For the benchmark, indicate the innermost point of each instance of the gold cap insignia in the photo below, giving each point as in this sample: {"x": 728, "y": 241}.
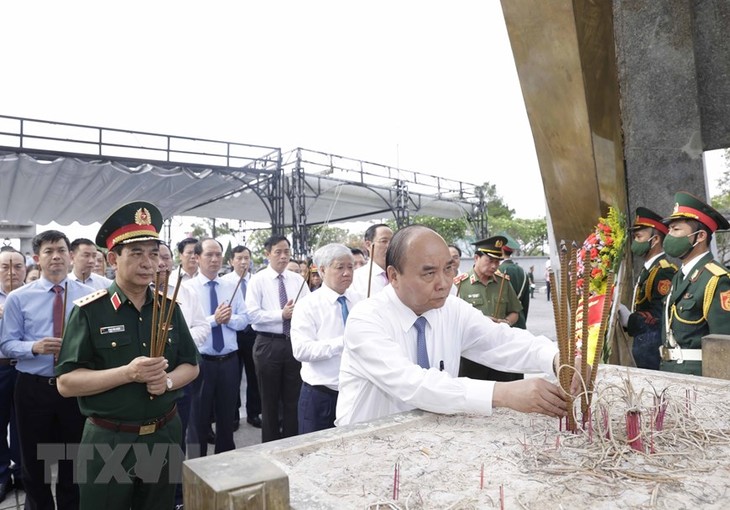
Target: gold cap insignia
{"x": 142, "y": 217}
{"x": 676, "y": 208}
{"x": 498, "y": 243}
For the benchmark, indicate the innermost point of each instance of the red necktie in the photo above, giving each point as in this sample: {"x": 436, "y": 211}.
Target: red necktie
{"x": 58, "y": 311}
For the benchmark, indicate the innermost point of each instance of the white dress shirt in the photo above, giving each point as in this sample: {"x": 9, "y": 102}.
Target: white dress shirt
{"x": 317, "y": 333}
{"x": 379, "y": 375}
{"x": 379, "y": 280}
{"x": 239, "y": 318}
{"x": 94, "y": 281}
{"x": 262, "y": 298}
{"x": 234, "y": 277}
{"x": 192, "y": 311}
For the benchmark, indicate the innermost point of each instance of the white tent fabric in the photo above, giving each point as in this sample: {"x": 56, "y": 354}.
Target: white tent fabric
{"x": 68, "y": 189}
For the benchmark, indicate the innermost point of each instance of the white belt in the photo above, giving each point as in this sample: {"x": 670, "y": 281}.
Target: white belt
{"x": 679, "y": 355}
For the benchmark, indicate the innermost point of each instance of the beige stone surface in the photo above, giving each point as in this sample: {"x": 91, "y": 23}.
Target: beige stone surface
{"x": 536, "y": 464}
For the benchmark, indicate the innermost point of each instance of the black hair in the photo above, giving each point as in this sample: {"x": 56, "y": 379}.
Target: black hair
{"x": 371, "y": 231}
{"x": 182, "y": 244}
{"x": 698, "y": 225}
{"x": 78, "y": 242}
{"x": 49, "y": 236}
{"x": 12, "y": 250}
{"x": 458, "y": 250}
{"x": 240, "y": 249}
{"x": 357, "y": 251}
{"x": 275, "y": 239}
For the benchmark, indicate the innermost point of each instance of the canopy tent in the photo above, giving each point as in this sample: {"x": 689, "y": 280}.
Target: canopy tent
{"x": 59, "y": 172}
{"x": 68, "y": 189}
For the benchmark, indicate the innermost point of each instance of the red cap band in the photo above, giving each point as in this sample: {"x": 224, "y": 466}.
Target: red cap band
{"x": 128, "y": 232}
{"x": 648, "y": 222}
{"x": 683, "y": 210}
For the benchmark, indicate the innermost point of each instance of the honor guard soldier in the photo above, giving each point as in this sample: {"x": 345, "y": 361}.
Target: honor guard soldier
{"x": 127, "y": 392}
{"x": 518, "y": 279}
{"x": 644, "y": 321}
{"x": 699, "y": 300}
{"x": 489, "y": 290}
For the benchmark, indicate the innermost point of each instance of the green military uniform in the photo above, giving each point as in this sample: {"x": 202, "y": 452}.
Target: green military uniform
{"x": 487, "y": 297}
{"x": 518, "y": 280}
{"x": 699, "y": 302}
{"x": 645, "y": 321}
{"x": 105, "y": 330}
{"x": 698, "y": 305}
{"x": 495, "y": 299}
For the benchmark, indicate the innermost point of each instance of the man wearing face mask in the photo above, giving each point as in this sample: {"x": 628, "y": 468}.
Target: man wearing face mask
{"x": 644, "y": 321}
{"x": 699, "y": 301}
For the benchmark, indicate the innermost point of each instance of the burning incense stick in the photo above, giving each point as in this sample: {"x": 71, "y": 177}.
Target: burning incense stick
{"x": 370, "y": 271}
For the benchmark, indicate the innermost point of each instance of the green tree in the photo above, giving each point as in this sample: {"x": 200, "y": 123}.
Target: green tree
{"x": 496, "y": 206}
{"x": 205, "y": 229}
{"x": 451, "y": 229}
{"x": 320, "y": 235}
{"x": 530, "y": 233}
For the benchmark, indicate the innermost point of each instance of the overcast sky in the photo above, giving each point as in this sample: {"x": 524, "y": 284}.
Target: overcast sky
{"x": 429, "y": 86}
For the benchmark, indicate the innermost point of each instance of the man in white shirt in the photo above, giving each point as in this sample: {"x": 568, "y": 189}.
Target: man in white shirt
{"x": 402, "y": 347}
{"x": 188, "y": 260}
{"x": 318, "y": 326}
{"x": 272, "y": 294}
{"x": 218, "y": 388}
{"x": 83, "y": 260}
{"x": 192, "y": 311}
{"x": 372, "y": 278}
{"x": 241, "y": 263}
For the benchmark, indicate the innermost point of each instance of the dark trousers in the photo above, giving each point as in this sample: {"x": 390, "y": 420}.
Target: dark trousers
{"x": 137, "y": 483}
{"x": 317, "y": 406}
{"x": 8, "y": 453}
{"x": 46, "y": 418}
{"x": 246, "y": 339}
{"x": 279, "y": 384}
{"x": 218, "y": 390}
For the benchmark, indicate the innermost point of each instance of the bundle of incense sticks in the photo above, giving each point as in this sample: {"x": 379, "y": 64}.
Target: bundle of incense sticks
{"x": 567, "y": 300}
{"x": 563, "y": 298}
{"x": 162, "y": 312}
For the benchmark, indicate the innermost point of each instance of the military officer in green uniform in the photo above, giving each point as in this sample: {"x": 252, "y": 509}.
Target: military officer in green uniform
{"x": 487, "y": 289}
{"x": 699, "y": 300}
{"x": 644, "y": 321}
{"x": 518, "y": 279}
{"x": 129, "y": 455}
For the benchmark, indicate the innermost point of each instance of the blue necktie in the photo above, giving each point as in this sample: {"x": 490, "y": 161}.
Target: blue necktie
{"x": 421, "y": 351}
{"x": 217, "y": 330}
{"x": 343, "y": 303}
{"x": 243, "y": 288}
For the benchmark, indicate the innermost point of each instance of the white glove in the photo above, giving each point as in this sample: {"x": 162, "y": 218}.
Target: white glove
{"x": 623, "y": 315}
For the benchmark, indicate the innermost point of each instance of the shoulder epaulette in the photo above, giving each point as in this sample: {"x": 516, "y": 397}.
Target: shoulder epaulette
{"x": 501, "y": 274}
{"x": 90, "y": 297}
{"x": 460, "y": 278}
{"x": 716, "y": 268}
{"x": 665, "y": 264}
